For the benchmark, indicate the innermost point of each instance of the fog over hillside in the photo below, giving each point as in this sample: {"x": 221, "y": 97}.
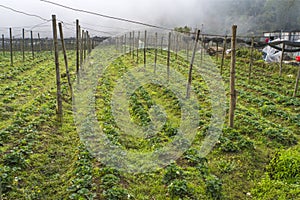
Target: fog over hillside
{"x": 212, "y": 16}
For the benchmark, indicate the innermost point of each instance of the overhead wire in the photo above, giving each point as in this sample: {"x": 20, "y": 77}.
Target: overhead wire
{"x": 107, "y": 16}
{"x": 24, "y": 13}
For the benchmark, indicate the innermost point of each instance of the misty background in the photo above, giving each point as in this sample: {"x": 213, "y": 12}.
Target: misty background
{"x": 212, "y": 16}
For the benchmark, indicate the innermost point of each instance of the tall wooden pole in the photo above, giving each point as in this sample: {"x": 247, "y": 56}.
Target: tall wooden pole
{"x": 23, "y": 44}
{"x": 251, "y": 59}
{"x": 65, "y": 56}
{"x": 11, "y": 47}
{"x": 169, "y": 54}
{"x": 223, "y": 53}
{"x": 3, "y": 45}
{"x": 161, "y": 45}
{"x": 281, "y": 59}
{"x": 188, "y": 88}
{"x": 145, "y": 46}
{"x": 81, "y": 46}
{"x": 32, "y": 45}
{"x": 130, "y": 41}
{"x": 137, "y": 50}
{"x": 133, "y": 45}
{"x": 187, "y": 49}
{"x": 58, "y": 91}
{"x": 125, "y": 38}
{"x": 297, "y": 83}
{"x": 232, "y": 78}
{"x": 40, "y": 42}
{"x": 155, "y": 56}
{"x": 88, "y": 39}
{"x": 176, "y": 46}
{"x": 77, "y": 46}
{"x": 217, "y": 55}
{"x": 84, "y": 44}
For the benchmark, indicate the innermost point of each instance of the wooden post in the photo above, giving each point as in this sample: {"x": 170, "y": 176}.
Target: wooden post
{"x": 137, "y": 50}
{"x": 65, "y": 56}
{"x": 155, "y": 56}
{"x": 202, "y": 48}
{"x": 77, "y": 46}
{"x": 187, "y": 49}
{"x": 84, "y": 44}
{"x": 232, "y": 78}
{"x": 23, "y": 44}
{"x": 3, "y": 44}
{"x": 130, "y": 41}
{"x": 15, "y": 47}
{"x": 11, "y": 47}
{"x": 281, "y": 59}
{"x": 133, "y": 44}
{"x": 168, "y": 58}
{"x": 297, "y": 83}
{"x": 58, "y": 92}
{"x": 176, "y": 46}
{"x": 188, "y": 88}
{"x": 125, "y": 44}
{"x": 161, "y": 44}
{"x": 223, "y": 53}
{"x": 145, "y": 46}
{"x": 88, "y": 42}
{"x": 251, "y": 59}
{"x": 47, "y": 44}
{"x": 217, "y": 55}
{"x": 32, "y": 47}
{"x": 40, "y": 43}
{"x": 81, "y": 46}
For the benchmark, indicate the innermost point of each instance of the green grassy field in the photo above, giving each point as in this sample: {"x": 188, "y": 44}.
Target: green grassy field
{"x": 41, "y": 159}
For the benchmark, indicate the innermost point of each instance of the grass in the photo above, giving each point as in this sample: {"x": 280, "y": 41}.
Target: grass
{"x": 41, "y": 159}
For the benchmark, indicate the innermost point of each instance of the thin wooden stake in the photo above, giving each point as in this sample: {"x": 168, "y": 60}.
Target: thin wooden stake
{"x": 32, "y": 47}
{"x": 40, "y": 43}
{"x": 188, "y": 88}
{"x": 202, "y": 49}
{"x": 65, "y": 57}
{"x": 168, "y": 58}
{"x": 155, "y": 56}
{"x": 161, "y": 45}
{"x": 232, "y": 78}
{"x": 187, "y": 49}
{"x": 3, "y": 45}
{"x": 223, "y": 53}
{"x": 130, "y": 42}
{"x": 133, "y": 45}
{"x": 77, "y": 47}
{"x": 145, "y": 46}
{"x": 125, "y": 49}
{"x": 297, "y": 83}
{"x": 88, "y": 39}
{"x": 176, "y": 47}
{"x": 23, "y": 44}
{"x": 251, "y": 59}
{"x": 81, "y": 47}
{"x": 58, "y": 92}
{"x": 11, "y": 47}
{"x": 281, "y": 59}
{"x": 217, "y": 55}
{"x": 137, "y": 50}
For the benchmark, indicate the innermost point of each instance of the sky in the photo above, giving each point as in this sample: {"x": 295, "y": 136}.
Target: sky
{"x": 167, "y": 13}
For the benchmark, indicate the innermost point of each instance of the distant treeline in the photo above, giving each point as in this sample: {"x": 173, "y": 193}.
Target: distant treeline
{"x": 253, "y": 16}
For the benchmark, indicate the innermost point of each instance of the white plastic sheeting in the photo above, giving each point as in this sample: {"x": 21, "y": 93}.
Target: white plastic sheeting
{"x": 270, "y": 54}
